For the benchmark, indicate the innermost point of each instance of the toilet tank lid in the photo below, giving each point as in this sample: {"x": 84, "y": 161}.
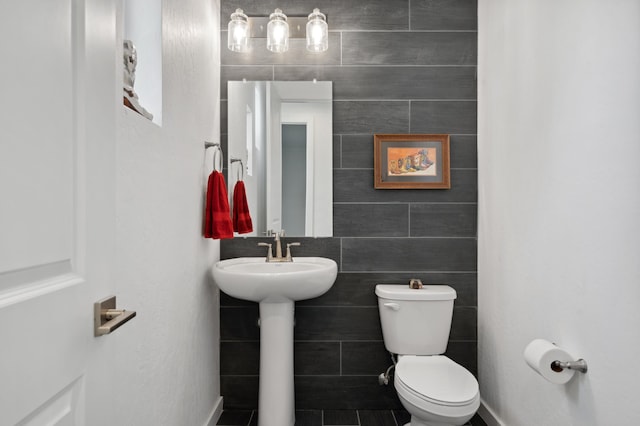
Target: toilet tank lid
{"x": 403, "y": 292}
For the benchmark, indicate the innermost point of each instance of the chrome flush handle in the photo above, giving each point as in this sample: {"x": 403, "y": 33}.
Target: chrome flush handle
{"x": 392, "y": 306}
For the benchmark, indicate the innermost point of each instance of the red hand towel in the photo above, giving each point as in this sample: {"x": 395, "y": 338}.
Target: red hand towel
{"x": 217, "y": 222}
{"x": 241, "y": 217}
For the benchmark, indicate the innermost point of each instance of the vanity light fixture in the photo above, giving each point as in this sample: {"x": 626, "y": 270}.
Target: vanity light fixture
{"x": 277, "y": 28}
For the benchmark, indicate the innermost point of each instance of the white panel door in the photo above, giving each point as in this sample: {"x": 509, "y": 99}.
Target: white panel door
{"x": 57, "y": 127}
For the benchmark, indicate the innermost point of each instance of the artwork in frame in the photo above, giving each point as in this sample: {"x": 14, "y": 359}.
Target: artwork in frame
{"x": 416, "y": 161}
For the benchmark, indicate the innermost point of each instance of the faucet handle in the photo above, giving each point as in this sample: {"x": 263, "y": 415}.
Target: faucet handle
{"x": 289, "y": 245}
{"x": 269, "y": 252}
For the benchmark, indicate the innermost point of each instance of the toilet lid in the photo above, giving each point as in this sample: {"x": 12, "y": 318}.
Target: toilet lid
{"x": 437, "y": 378}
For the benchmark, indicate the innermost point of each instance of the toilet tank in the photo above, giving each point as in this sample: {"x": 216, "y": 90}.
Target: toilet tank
{"x": 415, "y": 321}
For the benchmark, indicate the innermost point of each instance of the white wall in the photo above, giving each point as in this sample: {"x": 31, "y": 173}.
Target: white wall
{"x": 559, "y": 206}
{"x": 168, "y": 358}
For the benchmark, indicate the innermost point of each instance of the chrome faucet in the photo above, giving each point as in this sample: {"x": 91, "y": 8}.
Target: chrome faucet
{"x": 278, "y": 244}
{"x": 278, "y": 240}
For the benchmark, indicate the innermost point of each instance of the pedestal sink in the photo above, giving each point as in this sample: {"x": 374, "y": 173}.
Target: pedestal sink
{"x": 275, "y": 286}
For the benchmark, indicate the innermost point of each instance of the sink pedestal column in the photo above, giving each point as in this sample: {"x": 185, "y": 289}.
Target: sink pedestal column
{"x": 276, "y": 393}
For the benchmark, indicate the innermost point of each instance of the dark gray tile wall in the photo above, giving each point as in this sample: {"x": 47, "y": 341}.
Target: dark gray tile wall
{"x": 397, "y": 66}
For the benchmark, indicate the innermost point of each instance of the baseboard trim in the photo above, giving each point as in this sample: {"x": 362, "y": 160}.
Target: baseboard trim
{"x": 216, "y": 412}
{"x": 488, "y": 415}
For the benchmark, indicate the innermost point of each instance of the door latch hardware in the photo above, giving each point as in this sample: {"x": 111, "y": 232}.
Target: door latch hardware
{"x": 107, "y": 318}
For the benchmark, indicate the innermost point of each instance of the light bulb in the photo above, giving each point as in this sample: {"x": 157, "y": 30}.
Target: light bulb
{"x": 317, "y": 32}
{"x": 238, "y": 32}
{"x": 278, "y": 32}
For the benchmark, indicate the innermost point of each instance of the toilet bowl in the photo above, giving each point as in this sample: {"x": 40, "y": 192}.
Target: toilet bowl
{"x": 435, "y": 390}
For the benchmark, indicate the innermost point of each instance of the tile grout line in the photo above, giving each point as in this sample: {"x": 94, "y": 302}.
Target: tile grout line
{"x": 341, "y": 145}
{"x": 409, "y": 220}
{"x": 341, "y": 358}
{"x": 341, "y": 49}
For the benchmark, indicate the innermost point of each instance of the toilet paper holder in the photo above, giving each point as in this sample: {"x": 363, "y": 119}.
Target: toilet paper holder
{"x": 579, "y": 365}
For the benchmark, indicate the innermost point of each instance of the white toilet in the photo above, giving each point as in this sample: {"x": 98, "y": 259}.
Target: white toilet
{"x": 435, "y": 390}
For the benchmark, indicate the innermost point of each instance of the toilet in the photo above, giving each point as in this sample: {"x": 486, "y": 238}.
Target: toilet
{"x": 435, "y": 390}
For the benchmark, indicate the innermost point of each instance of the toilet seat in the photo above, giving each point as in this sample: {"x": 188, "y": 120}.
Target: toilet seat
{"x": 437, "y": 380}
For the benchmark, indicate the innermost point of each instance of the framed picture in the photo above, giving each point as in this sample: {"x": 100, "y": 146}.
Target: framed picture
{"x": 411, "y": 161}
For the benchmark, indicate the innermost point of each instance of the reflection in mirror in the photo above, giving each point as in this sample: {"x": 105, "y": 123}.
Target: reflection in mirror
{"x": 283, "y": 133}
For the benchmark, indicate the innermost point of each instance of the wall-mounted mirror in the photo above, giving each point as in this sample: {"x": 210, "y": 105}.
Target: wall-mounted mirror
{"x": 283, "y": 133}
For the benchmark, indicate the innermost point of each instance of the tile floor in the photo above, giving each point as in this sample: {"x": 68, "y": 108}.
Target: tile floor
{"x": 332, "y": 418}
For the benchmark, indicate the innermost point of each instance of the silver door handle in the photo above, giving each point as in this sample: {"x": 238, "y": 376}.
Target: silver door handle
{"x": 107, "y": 318}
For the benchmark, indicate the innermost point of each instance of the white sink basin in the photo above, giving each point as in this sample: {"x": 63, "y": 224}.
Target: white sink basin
{"x": 276, "y": 286}
{"x": 251, "y": 278}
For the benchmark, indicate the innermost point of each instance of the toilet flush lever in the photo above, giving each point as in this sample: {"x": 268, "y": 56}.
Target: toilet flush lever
{"x": 393, "y": 306}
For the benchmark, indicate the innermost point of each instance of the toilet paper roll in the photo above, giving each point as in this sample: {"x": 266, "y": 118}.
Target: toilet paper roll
{"x": 540, "y": 354}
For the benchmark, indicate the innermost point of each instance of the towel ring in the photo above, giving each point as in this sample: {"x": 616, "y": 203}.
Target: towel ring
{"x": 217, "y": 149}
{"x": 240, "y": 172}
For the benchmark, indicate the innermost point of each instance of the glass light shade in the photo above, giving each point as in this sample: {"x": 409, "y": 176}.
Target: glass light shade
{"x": 278, "y": 32}
{"x": 317, "y": 32}
{"x": 238, "y": 32}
